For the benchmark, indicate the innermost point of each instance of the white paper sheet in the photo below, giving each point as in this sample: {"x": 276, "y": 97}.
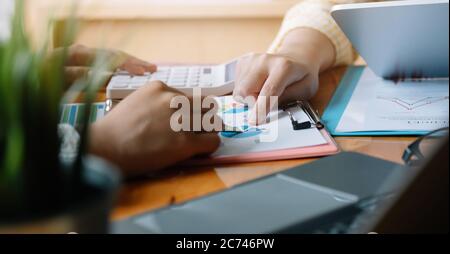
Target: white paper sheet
{"x": 252, "y": 140}
{"x": 381, "y": 105}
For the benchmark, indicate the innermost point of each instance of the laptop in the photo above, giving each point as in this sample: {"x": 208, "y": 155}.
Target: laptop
{"x": 345, "y": 193}
{"x": 308, "y": 199}
{"x": 399, "y": 39}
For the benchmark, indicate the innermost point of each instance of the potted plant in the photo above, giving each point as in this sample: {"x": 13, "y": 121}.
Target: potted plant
{"x": 39, "y": 191}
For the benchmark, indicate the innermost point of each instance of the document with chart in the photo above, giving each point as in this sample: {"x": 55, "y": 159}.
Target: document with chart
{"x": 274, "y": 135}
{"x": 382, "y": 105}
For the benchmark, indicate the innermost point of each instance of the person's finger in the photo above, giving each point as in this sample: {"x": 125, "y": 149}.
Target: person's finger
{"x": 72, "y": 74}
{"x": 133, "y": 69}
{"x": 137, "y": 66}
{"x": 84, "y": 56}
{"x": 249, "y": 84}
{"x": 204, "y": 143}
{"x": 272, "y": 89}
{"x": 302, "y": 90}
{"x": 243, "y": 65}
{"x": 79, "y": 55}
{"x": 150, "y": 67}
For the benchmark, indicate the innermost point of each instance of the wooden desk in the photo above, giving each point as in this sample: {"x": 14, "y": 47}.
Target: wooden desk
{"x": 180, "y": 184}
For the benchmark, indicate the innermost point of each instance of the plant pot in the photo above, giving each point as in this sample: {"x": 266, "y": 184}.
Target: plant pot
{"x": 88, "y": 215}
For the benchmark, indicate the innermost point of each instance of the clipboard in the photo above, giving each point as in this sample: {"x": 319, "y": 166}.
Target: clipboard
{"x": 70, "y": 111}
{"x": 336, "y": 107}
{"x": 328, "y": 148}
{"x": 305, "y": 152}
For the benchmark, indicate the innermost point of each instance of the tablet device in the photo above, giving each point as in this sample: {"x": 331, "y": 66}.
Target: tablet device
{"x": 399, "y": 39}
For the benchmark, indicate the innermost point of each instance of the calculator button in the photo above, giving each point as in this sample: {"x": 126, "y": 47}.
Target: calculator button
{"x": 207, "y": 70}
{"x": 161, "y": 74}
{"x": 120, "y": 78}
{"x": 119, "y": 85}
{"x": 194, "y": 75}
{"x": 178, "y": 84}
{"x": 160, "y": 78}
{"x": 183, "y": 70}
{"x": 205, "y": 81}
{"x": 178, "y": 76}
{"x": 177, "y": 68}
{"x": 194, "y": 70}
{"x": 163, "y": 69}
{"x": 164, "y": 79}
{"x": 121, "y": 72}
{"x": 138, "y": 79}
{"x": 137, "y": 85}
{"x": 193, "y": 84}
{"x": 206, "y": 84}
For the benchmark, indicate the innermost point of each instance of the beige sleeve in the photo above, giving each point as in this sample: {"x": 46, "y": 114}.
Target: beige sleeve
{"x": 316, "y": 14}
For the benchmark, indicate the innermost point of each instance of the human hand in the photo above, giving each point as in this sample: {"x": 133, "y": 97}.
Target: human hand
{"x": 137, "y": 136}
{"x": 264, "y": 75}
{"x": 80, "y": 60}
{"x": 291, "y": 74}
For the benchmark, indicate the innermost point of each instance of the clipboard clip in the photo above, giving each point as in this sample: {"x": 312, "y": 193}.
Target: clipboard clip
{"x": 314, "y": 121}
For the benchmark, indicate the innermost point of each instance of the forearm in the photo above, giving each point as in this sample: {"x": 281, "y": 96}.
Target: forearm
{"x": 308, "y": 46}
{"x": 315, "y": 14}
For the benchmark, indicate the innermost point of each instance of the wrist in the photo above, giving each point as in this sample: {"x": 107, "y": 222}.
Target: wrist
{"x": 310, "y": 47}
{"x": 98, "y": 143}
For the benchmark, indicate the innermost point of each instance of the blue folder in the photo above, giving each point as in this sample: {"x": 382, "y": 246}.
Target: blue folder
{"x": 338, "y": 103}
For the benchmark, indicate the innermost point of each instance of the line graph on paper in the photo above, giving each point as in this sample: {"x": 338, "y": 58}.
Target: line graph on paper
{"x": 382, "y": 105}
{"x": 414, "y": 103}
{"x": 416, "y": 110}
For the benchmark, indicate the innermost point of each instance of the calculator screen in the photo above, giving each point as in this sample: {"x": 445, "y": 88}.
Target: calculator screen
{"x": 230, "y": 70}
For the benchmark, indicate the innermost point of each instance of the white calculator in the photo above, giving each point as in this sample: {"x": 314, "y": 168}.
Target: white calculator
{"x": 213, "y": 80}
